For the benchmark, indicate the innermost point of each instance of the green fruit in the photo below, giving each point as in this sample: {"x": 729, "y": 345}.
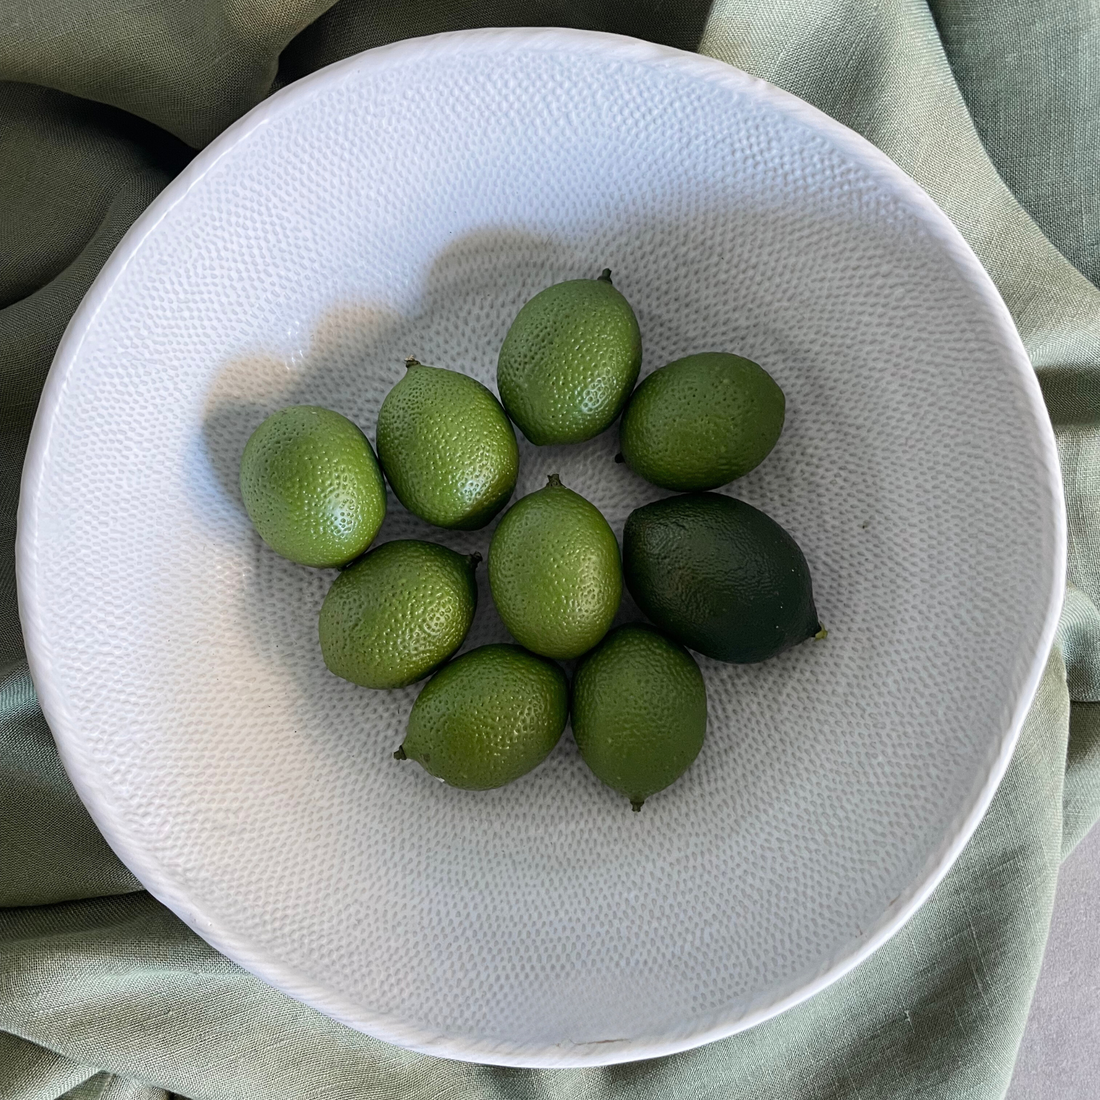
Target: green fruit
{"x": 447, "y": 447}
{"x": 701, "y": 422}
{"x": 487, "y": 718}
{"x": 569, "y": 361}
{"x": 312, "y": 487}
{"x": 719, "y": 576}
{"x": 398, "y": 613}
{"x": 554, "y": 572}
{"x": 639, "y": 711}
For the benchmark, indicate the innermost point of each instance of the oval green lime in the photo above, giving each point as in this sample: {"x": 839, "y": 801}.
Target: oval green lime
{"x": 639, "y": 711}
{"x": 397, "y": 613}
{"x": 488, "y": 717}
{"x": 312, "y": 487}
{"x": 447, "y": 447}
{"x": 719, "y": 576}
{"x": 569, "y": 361}
{"x": 702, "y": 421}
{"x": 555, "y": 572}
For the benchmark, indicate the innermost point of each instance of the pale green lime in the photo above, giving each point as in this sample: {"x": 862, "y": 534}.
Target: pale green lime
{"x": 488, "y": 717}
{"x": 312, "y": 487}
{"x": 397, "y": 613}
{"x": 447, "y": 447}
{"x": 639, "y": 711}
{"x": 702, "y": 421}
{"x": 569, "y": 361}
{"x": 555, "y": 572}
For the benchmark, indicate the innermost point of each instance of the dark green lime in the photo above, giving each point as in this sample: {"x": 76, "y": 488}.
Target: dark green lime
{"x": 719, "y": 576}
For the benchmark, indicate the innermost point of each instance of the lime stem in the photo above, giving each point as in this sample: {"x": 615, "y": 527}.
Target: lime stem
{"x": 474, "y": 559}
{"x": 636, "y": 806}
{"x": 604, "y": 276}
{"x": 821, "y": 634}
{"x": 400, "y": 754}
{"x": 410, "y": 362}
{"x": 554, "y": 480}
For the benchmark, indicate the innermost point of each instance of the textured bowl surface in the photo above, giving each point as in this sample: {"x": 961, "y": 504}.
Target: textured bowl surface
{"x": 407, "y": 202}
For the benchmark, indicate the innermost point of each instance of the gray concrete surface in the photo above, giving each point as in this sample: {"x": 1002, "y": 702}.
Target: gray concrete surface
{"x": 1060, "y": 1053}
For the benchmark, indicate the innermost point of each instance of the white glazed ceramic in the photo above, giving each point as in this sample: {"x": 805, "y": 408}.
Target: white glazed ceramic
{"x": 408, "y": 201}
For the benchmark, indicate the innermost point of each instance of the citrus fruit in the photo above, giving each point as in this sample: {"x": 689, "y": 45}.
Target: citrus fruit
{"x": 719, "y": 576}
{"x": 312, "y": 487}
{"x": 569, "y": 361}
{"x": 555, "y": 573}
{"x": 447, "y": 447}
{"x": 487, "y": 718}
{"x": 701, "y": 421}
{"x": 639, "y": 711}
{"x": 397, "y": 613}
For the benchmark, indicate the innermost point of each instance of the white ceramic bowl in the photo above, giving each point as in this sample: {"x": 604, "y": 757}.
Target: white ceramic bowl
{"x": 408, "y": 201}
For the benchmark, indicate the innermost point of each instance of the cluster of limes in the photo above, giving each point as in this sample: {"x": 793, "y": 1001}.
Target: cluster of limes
{"x": 711, "y": 572}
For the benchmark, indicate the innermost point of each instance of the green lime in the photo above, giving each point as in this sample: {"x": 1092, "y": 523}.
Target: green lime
{"x": 569, "y": 361}
{"x": 719, "y": 576}
{"x": 397, "y": 613}
{"x": 447, "y": 447}
{"x": 701, "y": 421}
{"x": 639, "y": 711}
{"x": 487, "y": 718}
{"x": 554, "y": 572}
{"x": 312, "y": 487}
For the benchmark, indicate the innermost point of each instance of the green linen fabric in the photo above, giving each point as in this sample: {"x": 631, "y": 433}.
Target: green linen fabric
{"x": 992, "y": 105}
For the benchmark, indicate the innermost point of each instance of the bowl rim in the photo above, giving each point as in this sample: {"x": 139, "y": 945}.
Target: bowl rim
{"x": 66, "y": 731}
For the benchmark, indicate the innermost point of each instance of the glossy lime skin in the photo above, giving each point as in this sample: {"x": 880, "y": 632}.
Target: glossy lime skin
{"x": 312, "y": 487}
{"x": 488, "y": 717}
{"x": 555, "y": 572}
{"x": 702, "y": 421}
{"x": 397, "y": 613}
{"x": 719, "y": 576}
{"x": 569, "y": 361}
{"x": 448, "y": 449}
{"x": 639, "y": 711}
